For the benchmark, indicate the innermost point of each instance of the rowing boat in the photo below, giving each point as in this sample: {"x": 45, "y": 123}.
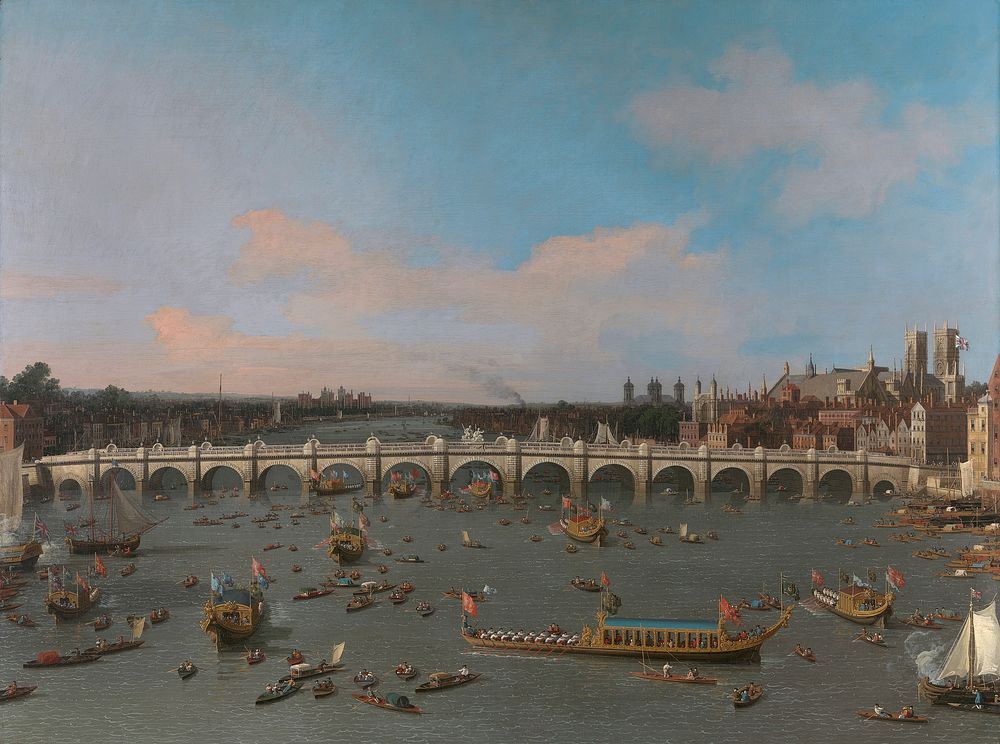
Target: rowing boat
{"x": 441, "y": 681}
{"x": 283, "y": 691}
{"x": 808, "y": 656}
{"x": 392, "y": 701}
{"x": 18, "y": 692}
{"x": 870, "y": 715}
{"x": 683, "y": 679}
{"x": 754, "y": 693}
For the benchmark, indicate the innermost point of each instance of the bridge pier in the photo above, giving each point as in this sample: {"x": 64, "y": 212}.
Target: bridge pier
{"x": 641, "y": 493}
{"x": 703, "y": 490}
{"x": 757, "y": 490}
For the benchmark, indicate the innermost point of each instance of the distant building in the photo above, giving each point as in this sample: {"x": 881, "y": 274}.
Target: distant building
{"x": 629, "y": 389}
{"x": 978, "y": 417}
{"x": 993, "y": 446}
{"x": 19, "y": 424}
{"x": 939, "y": 433}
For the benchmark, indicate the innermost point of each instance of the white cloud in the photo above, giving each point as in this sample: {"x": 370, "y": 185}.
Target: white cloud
{"x": 847, "y": 155}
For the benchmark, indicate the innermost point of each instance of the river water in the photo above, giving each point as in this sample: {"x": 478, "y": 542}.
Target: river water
{"x": 137, "y": 697}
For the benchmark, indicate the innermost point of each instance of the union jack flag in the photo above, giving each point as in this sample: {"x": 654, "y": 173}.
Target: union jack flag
{"x": 961, "y": 343}
{"x": 41, "y": 531}
{"x": 975, "y": 594}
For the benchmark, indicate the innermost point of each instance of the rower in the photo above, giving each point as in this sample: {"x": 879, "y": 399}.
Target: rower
{"x": 11, "y": 688}
{"x": 464, "y": 671}
{"x": 880, "y": 711}
{"x": 666, "y": 669}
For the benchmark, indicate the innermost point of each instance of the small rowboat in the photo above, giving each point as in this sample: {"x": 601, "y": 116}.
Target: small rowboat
{"x": 255, "y": 659}
{"x": 683, "y": 679}
{"x": 103, "y": 622}
{"x": 426, "y": 611}
{"x": 571, "y": 548}
{"x": 942, "y": 616}
{"x": 359, "y": 603}
{"x": 296, "y": 568}
{"x": 185, "y": 672}
{"x": 871, "y": 640}
{"x": 67, "y": 660}
{"x": 409, "y": 559}
{"x": 190, "y": 581}
{"x": 399, "y": 702}
{"x": 807, "y": 656}
{"x": 283, "y": 691}
{"x": 20, "y": 691}
{"x": 323, "y": 689}
{"x": 273, "y": 546}
{"x": 959, "y": 573}
{"x": 586, "y": 585}
{"x": 441, "y": 681}
{"x": 128, "y": 570}
{"x": 397, "y": 597}
{"x": 312, "y": 593}
{"x": 925, "y": 623}
{"x": 407, "y": 675}
{"x": 754, "y": 692}
{"x": 870, "y": 715}
{"x": 27, "y": 623}
{"x": 159, "y": 616}
{"x": 364, "y": 681}
{"x": 370, "y": 587}
{"x": 536, "y": 538}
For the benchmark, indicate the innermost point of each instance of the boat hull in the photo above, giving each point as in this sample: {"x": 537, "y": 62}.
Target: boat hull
{"x": 941, "y": 694}
{"x": 223, "y": 631}
{"x": 85, "y": 602}
{"x": 102, "y": 545}
{"x": 22, "y": 557}
{"x": 747, "y": 655}
{"x": 346, "y": 552}
{"x": 585, "y": 533}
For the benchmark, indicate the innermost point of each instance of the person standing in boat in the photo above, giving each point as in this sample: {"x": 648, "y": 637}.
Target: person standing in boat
{"x": 464, "y": 671}
{"x": 666, "y": 669}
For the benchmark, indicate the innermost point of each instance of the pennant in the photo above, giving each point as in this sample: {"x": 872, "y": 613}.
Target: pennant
{"x": 99, "y": 568}
{"x": 262, "y": 582}
{"x": 895, "y": 578}
{"x": 488, "y": 590}
{"x": 605, "y": 581}
{"x": 817, "y": 578}
{"x": 414, "y": 474}
{"x": 323, "y": 543}
{"x": 70, "y": 530}
{"x": 728, "y": 611}
{"x": 82, "y": 582}
{"x": 468, "y": 605}
{"x": 857, "y": 581}
{"x": 363, "y": 522}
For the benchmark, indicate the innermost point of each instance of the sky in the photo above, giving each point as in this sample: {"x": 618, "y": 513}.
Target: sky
{"x": 484, "y": 201}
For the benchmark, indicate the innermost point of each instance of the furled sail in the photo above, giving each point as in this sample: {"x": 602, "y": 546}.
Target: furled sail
{"x": 985, "y": 647}
{"x": 11, "y": 491}
{"x": 129, "y": 518}
{"x": 604, "y": 435}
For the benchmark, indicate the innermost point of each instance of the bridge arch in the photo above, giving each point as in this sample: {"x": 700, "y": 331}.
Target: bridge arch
{"x": 786, "y": 479}
{"x": 278, "y": 473}
{"x": 619, "y": 491}
{"x": 838, "y": 483}
{"x": 885, "y": 487}
{"x": 544, "y": 472}
{"x": 226, "y": 476}
{"x": 732, "y": 478}
{"x": 157, "y": 473}
{"x": 459, "y": 480}
{"x": 405, "y": 467}
{"x": 124, "y": 477}
{"x": 354, "y": 473}
{"x": 69, "y": 488}
{"x": 455, "y": 463}
{"x": 598, "y": 463}
{"x": 673, "y": 473}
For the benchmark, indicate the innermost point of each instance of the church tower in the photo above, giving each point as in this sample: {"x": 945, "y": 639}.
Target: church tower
{"x": 679, "y": 392}
{"x": 810, "y": 368}
{"x": 946, "y": 363}
{"x": 629, "y": 392}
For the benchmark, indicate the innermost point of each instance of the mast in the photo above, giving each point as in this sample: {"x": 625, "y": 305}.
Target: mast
{"x": 972, "y": 643}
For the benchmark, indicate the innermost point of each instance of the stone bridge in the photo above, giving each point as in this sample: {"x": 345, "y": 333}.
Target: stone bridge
{"x": 440, "y": 459}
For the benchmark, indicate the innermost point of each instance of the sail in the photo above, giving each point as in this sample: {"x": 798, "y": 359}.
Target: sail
{"x": 129, "y": 517}
{"x": 968, "y": 477}
{"x": 465, "y": 537}
{"x": 337, "y": 653}
{"x": 137, "y": 627}
{"x": 11, "y": 491}
{"x": 987, "y": 646}
{"x": 684, "y": 530}
{"x": 540, "y": 431}
{"x": 604, "y": 435}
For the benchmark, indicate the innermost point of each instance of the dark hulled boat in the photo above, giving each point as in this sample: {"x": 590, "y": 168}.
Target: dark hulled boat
{"x": 14, "y": 553}
{"x": 124, "y": 527}
{"x": 347, "y": 543}
{"x": 66, "y": 604}
{"x": 973, "y": 662}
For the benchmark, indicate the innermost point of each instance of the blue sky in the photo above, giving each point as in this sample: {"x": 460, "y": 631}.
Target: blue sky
{"x": 834, "y": 165}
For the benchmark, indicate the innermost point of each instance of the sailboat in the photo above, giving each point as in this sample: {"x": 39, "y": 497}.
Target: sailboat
{"x": 125, "y": 525}
{"x": 468, "y": 542}
{"x": 233, "y": 614}
{"x": 973, "y": 663}
{"x": 347, "y": 543}
{"x": 580, "y": 524}
{"x": 14, "y": 553}
{"x": 66, "y": 604}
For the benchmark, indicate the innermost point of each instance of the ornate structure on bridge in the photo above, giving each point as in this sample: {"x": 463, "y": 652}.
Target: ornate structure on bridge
{"x": 441, "y": 459}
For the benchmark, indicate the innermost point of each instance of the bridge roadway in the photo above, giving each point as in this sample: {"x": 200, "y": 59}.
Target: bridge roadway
{"x": 440, "y": 459}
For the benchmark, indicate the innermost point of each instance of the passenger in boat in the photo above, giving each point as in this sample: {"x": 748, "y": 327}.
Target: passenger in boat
{"x": 666, "y": 669}
{"x": 11, "y": 688}
{"x": 877, "y": 637}
{"x": 979, "y": 700}
{"x": 809, "y": 651}
{"x": 464, "y": 671}
{"x": 692, "y": 673}
{"x": 119, "y": 640}
{"x": 906, "y": 712}
{"x": 880, "y": 711}
{"x": 745, "y": 695}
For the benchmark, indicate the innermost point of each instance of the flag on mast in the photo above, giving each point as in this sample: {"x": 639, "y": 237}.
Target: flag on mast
{"x": 469, "y": 605}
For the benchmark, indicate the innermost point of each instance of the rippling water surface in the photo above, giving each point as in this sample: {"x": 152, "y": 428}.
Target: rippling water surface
{"x": 137, "y": 697}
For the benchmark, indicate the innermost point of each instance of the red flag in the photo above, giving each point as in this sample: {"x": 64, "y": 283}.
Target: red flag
{"x": 567, "y": 503}
{"x": 494, "y": 476}
{"x": 605, "y": 581}
{"x": 394, "y": 476}
{"x": 414, "y": 474}
{"x": 817, "y": 578}
{"x": 99, "y": 567}
{"x": 257, "y": 569}
{"x": 728, "y": 611}
{"x": 975, "y": 594}
{"x": 895, "y": 578}
{"x": 314, "y": 473}
{"x": 468, "y": 605}
{"x": 82, "y": 582}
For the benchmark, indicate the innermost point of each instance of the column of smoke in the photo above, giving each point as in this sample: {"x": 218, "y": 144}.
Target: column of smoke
{"x": 927, "y": 655}
{"x": 492, "y": 383}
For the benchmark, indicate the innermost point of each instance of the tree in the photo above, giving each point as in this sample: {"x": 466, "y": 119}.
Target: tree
{"x": 34, "y": 383}
{"x": 977, "y": 389}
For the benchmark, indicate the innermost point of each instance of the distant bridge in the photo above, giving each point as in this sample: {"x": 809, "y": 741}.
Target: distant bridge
{"x": 440, "y": 459}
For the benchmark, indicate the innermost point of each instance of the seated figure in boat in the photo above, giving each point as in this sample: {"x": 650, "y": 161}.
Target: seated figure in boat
{"x": 880, "y": 711}
{"x": 906, "y": 712}
{"x": 464, "y": 671}
{"x": 692, "y": 673}
{"x": 11, "y": 688}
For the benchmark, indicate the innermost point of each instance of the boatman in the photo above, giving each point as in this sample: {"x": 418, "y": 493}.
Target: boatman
{"x": 880, "y": 711}
{"x": 666, "y": 669}
{"x": 464, "y": 671}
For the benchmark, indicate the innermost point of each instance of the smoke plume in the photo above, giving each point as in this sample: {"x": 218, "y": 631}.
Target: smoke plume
{"x": 491, "y": 382}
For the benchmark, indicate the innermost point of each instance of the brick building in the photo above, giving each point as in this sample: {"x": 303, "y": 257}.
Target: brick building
{"x": 20, "y": 424}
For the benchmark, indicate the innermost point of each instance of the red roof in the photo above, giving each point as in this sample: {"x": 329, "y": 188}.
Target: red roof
{"x": 15, "y": 410}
